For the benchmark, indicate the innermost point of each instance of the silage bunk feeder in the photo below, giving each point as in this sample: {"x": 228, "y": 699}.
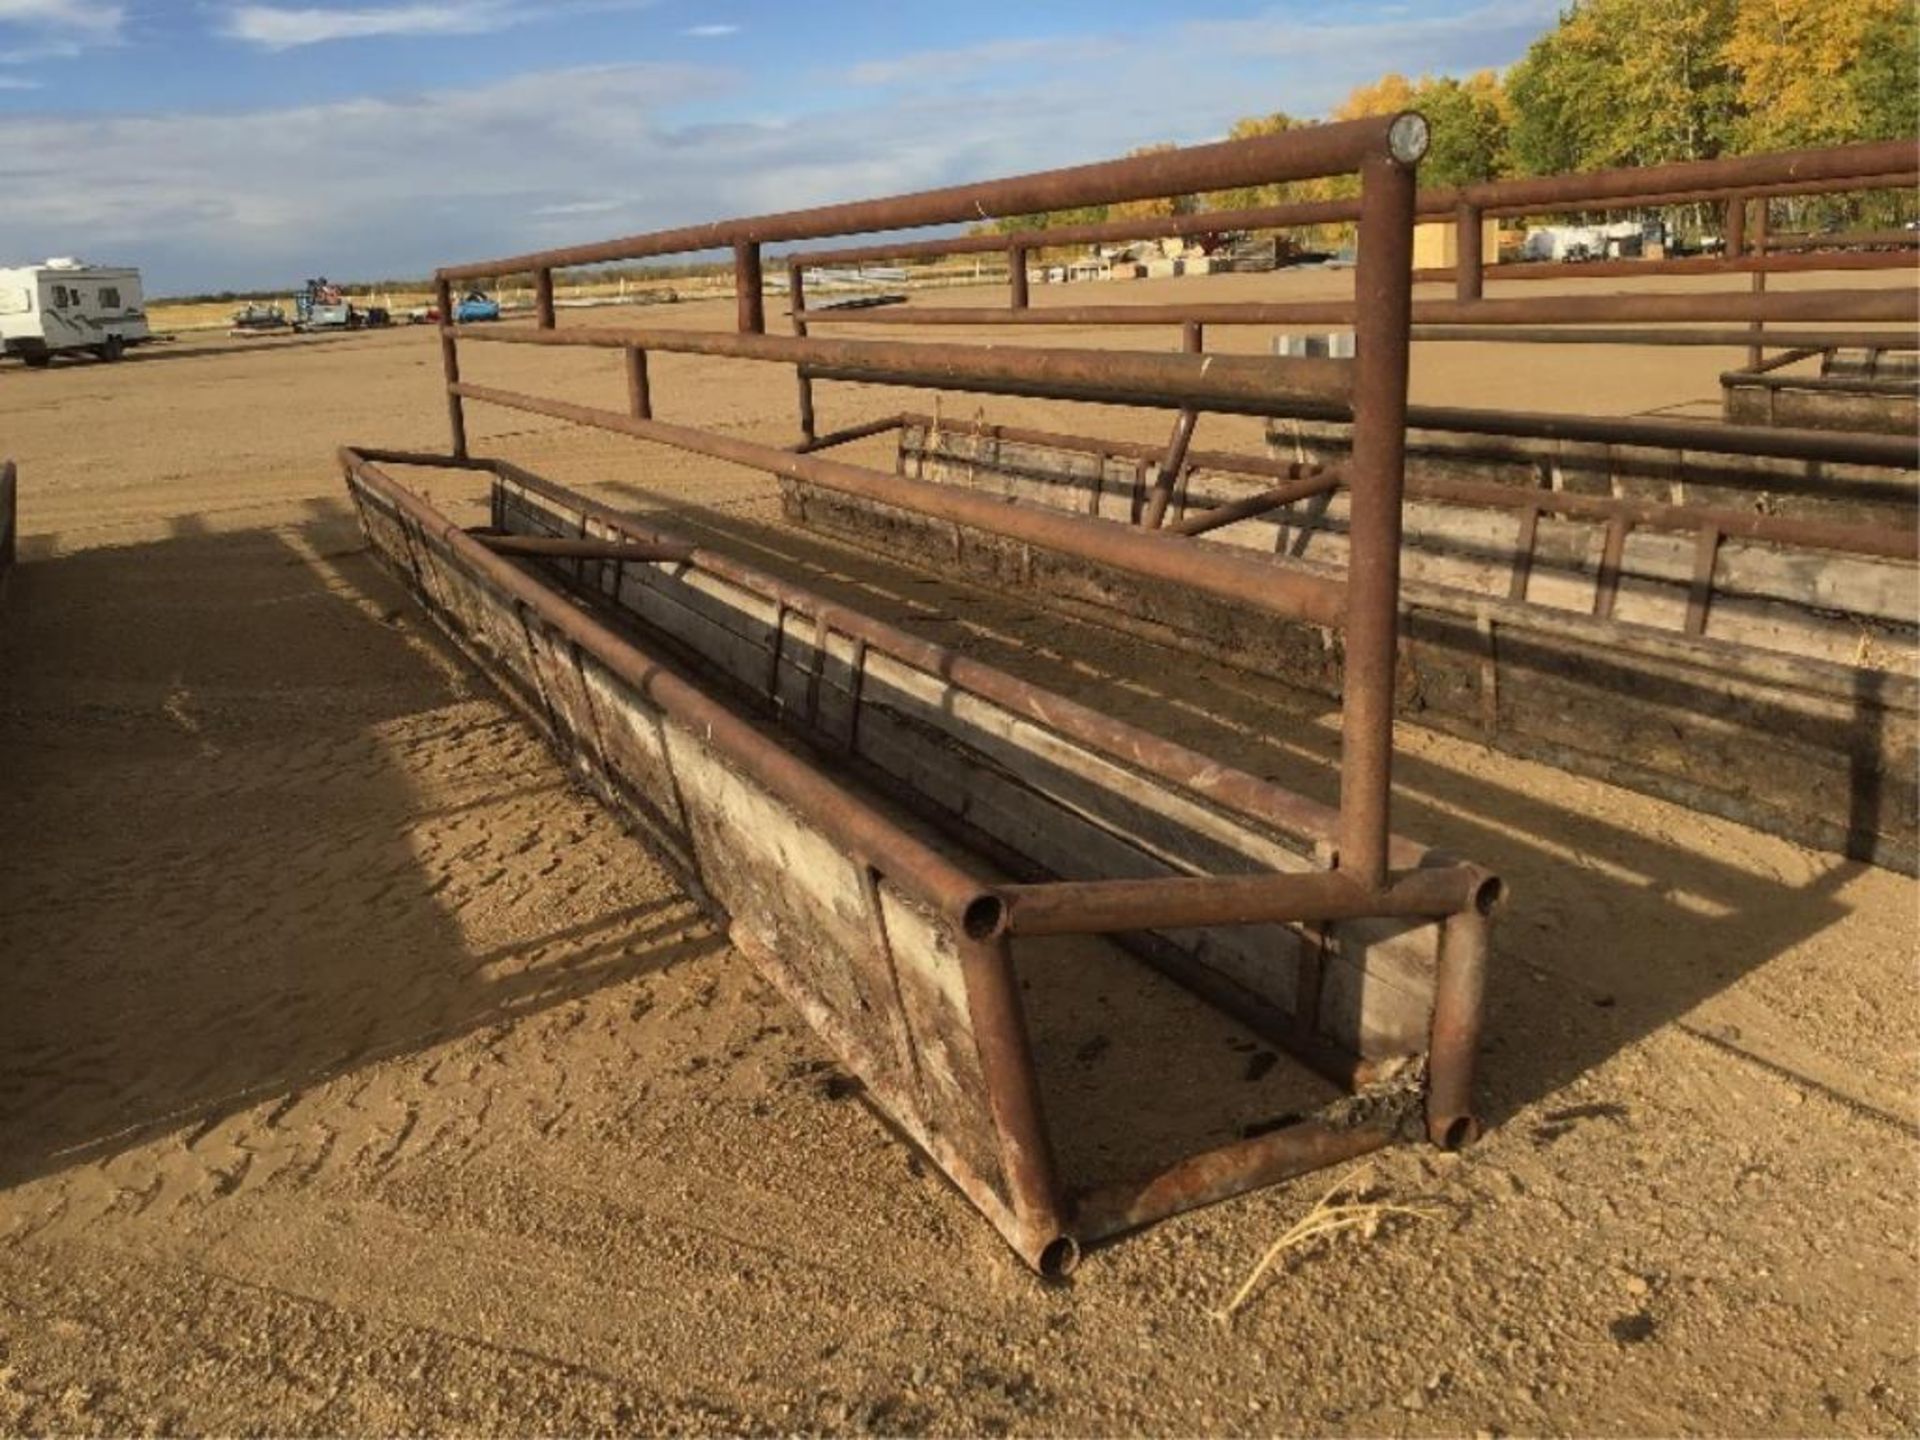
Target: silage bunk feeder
{"x": 907, "y": 842}
{"x": 1721, "y": 614}
{"x": 1755, "y": 665}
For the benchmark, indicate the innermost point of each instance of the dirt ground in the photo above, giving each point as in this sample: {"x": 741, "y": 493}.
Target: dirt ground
{"x": 358, "y": 1075}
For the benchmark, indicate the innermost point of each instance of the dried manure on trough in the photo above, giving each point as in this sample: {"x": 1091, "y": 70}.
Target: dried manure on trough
{"x": 908, "y": 842}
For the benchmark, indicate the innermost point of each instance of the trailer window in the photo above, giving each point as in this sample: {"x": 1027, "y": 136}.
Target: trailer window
{"x": 110, "y": 297}
{"x": 14, "y": 301}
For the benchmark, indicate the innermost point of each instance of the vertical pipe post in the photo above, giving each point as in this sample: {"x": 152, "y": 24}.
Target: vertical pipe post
{"x": 797, "y": 293}
{"x": 1459, "y": 992}
{"x": 1734, "y": 231}
{"x": 1383, "y": 288}
{"x": 450, "y": 366}
{"x": 639, "y": 387}
{"x": 1470, "y": 259}
{"x": 1017, "y": 277}
{"x": 1013, "y": 1096}
{"x": 543, "y": 298}
{"x": 751, "y": 310}
{"x": 1757, "y": 351}
{"x": 1193, "y": 337}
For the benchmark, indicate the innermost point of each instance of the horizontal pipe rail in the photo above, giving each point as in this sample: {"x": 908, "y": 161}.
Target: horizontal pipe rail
{"x": 1904, "y": 387}
{"x": 1881, "y": 541}
{"x": 1897, "y": 452}
{"x": 1308, "y": 153}
{"x": 1096, "y": 907}
{"x": 1875, "y": 540}
{"x": 1723, "y": 339}
{"x": 1814, "y": 240}
{"x": 1888, "y": 304}
{"x": 1843, "y": 164}
{"x": 1429, "y": 204}
{"x": 1784, "y": 263}
{"x": 1239, "y": 384}
{"x": 1248, "y": 581}
{"x": 1708, "y": 438}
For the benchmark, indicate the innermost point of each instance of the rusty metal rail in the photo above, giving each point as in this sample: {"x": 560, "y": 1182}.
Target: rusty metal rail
{"x": 564, "y": 602}
{"x": 1750, "y": 665}
{"x": 1819, "y": 306}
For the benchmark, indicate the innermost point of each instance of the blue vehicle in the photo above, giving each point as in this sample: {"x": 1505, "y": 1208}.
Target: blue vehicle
{"x": 476, "y": 306}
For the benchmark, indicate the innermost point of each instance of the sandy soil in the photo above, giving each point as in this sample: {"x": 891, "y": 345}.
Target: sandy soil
{"x": 358, "y": 1075}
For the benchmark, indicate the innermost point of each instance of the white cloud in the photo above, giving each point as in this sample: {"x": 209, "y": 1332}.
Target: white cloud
{"x": 276, "y": 28}
{"x": 35, "y": 30}
{"x": 86, "y": 16}
{"x": 286, "y": 27}
{"x": 391, "y": 186}
{"x": 711, "y": 32}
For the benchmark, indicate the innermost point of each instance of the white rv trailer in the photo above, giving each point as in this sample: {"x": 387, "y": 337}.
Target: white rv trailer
{"x": 67, "y": 307}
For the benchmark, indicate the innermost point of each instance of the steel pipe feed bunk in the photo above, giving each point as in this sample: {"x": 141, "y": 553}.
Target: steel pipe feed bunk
{"x": 902, "y": 838}
{"x": 1756, "y": 666}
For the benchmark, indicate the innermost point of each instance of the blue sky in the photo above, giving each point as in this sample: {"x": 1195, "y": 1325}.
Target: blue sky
{"x": 227, "y": 144}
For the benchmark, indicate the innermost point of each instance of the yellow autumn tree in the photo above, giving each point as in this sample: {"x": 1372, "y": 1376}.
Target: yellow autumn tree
{"x": 1795, "y": 60}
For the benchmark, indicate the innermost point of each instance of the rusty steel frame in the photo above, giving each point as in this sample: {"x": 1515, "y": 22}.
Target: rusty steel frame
{"x": 1304, "y": 481}
{"x": 1354, "y": 841}
{"x": 1797, "y": 736}
{"x": 1732, "y": 182}
{"x": 1873, "y": 166}
{"x": 1046, "y": 1219}
{"x": 1817, "y": 306}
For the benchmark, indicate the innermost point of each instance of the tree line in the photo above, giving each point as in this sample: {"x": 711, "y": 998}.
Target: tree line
{"x": 1626, "y": 83}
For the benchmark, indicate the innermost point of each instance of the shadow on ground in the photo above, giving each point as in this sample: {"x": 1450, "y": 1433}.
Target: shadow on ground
{"x": 259, "y": 832}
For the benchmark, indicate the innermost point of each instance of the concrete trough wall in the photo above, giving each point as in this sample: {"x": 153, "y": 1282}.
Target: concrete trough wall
{"x": 1793, "y": 710}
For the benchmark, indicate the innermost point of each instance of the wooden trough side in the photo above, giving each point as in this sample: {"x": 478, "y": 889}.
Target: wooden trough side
{"x": 1766, "y": 683}
{"x": 1773, "y": 393}
{"x": 1797, "y": 488}
{"x": 887, "y": 827}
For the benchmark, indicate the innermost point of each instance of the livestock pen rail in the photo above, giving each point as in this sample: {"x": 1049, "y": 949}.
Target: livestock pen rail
{"x": 899, "y": 836}
{"x": 1753, "y": 665}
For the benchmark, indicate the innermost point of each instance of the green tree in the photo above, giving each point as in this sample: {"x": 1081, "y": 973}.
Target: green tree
{"x": 1469, "y": 128}
{"x": 1885, "y": 78}
{"x": 1626, "y": 82}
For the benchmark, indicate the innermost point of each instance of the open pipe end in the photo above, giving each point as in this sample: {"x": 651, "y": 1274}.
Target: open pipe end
{"x": 1490, "y": 894}
{"x": 984, "y": 918}
{"x": 1453, "y": 1132}
{"x": 1058, "y": 1258}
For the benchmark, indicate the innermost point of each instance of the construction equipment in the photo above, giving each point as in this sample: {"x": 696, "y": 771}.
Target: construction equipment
{"x": 322, "y": 306}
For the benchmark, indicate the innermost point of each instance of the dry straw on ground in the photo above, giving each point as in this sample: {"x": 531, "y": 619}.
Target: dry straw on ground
{"x": 1327, "y": 1218}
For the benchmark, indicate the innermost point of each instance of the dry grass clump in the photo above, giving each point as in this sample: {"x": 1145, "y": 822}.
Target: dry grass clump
{"x": 1330, "y": 1215}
